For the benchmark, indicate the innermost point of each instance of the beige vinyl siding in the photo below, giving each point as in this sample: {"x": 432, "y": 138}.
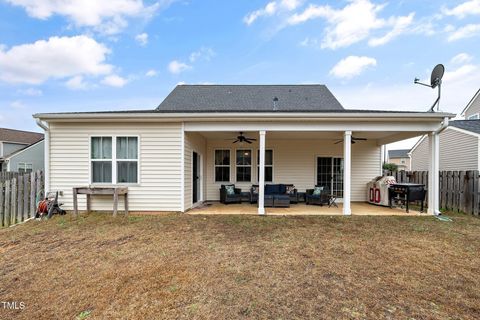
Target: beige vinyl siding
{"x": 294, "y": 161}
{"x": 159, "y": 162}
{"x": 458, "y": 151}
{"x": 193, "y": 142}
{"x": 474, "y": 108}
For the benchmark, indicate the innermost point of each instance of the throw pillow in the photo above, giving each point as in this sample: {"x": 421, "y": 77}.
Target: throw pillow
{"x": 230, "y": 190}
{"x": 290, "y": 189}
{"x": 255, "y": 189}
{"x": 317, "y": 191}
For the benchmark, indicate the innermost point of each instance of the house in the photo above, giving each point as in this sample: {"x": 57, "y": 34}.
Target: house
{"x": 459, "y": 143}
{"x": 178, "y": 155}
{"x": 21, "y": 151}
{"x": 400, "y": 157}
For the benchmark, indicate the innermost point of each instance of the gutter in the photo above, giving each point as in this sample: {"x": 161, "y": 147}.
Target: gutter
{"x": 151, "y": 116}
{"x": 46, "y": 129}
{"x": 443, "y": 126}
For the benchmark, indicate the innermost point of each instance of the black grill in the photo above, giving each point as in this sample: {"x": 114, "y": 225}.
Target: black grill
{"x": 407, "y": 192}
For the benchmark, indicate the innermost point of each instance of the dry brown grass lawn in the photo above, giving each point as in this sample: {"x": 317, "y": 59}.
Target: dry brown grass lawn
{"x": 230, "y": 267}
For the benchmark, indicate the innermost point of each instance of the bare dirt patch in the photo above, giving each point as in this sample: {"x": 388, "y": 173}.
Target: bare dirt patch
{"x": 228, "y": 267}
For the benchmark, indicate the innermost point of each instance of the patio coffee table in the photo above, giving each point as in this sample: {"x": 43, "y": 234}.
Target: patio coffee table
{"x": 281, "y": 200}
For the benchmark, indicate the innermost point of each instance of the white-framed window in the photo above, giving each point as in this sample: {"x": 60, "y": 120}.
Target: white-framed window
{"x": 473, "y": 117}
{"x": 222, "y": 165}
{"x": 244, "y": 165}
{"x": 24, "y": 167}
{"x": 114, "y": 159}
{"x": 268, "y": 165}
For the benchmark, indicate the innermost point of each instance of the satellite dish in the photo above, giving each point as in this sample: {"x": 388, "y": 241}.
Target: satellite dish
{"x": 437, "y": 75}
{"x": 435, "y": 81}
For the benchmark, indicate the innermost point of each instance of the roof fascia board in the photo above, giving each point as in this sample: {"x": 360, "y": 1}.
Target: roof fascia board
{"x": 417, "y": 144}
{"x": 475, "y": 96}
{"x": 155, "y": 116}
{"x": 471, "y": 133}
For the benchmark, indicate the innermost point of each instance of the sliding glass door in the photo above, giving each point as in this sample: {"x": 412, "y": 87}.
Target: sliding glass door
{"x": 330, "y": 174}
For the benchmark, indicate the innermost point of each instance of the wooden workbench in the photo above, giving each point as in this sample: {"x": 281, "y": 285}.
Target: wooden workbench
{"x": 89, "y": 191}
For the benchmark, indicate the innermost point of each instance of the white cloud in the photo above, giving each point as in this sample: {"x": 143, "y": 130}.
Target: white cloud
{"x": 459, "y": 73}
{"x": 177, "y": 67}
{"x": 105, "y": 16}
{"x": 400, "y": 26}
{"x": 57, "y": 57}
{"x": 352, "y": 66}
{"x": 204, "y": 53}
{"x": 142, "y": 38}
{"x": 76, "y": 83}
{"x": 151, "y": 73}
{"x": 468, "y": 31}
{"x": 461, "y": 58}
{"x": 353, "y": 23}
{"x": 271, "y": 9}
{"x": 471, "y": 7}
{"x": 32, "y": 92}
{"x": 114, "y": 81}
{"x": 17, "y": 104}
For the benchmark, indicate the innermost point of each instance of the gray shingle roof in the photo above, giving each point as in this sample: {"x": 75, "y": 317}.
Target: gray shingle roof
{"x": 19, "y": 136}
{"x": 470, "y": 125}
{"x": 249, "y": 98}
{"x": 401, "y": 153}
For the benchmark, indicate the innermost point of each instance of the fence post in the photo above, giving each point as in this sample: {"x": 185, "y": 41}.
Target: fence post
{"x": 32, "y": 194}
{"x": 26, "y": 196}
{"x": 475, "y": 193}
{"x": 8, "y": 207}
{"x": 19, "y": 199}
{"x": 2, "y": 202}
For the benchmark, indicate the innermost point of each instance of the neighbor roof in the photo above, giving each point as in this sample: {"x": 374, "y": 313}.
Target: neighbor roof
{"x": 19, "y": 136}
{"x": 249, "y": 98}
{"x": 401, "y": 153}
{"x": 469, "y": 125}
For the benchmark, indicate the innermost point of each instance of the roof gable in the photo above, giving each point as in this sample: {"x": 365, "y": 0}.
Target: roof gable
{"x": 249, "y": 98}
{"x": 470, "y": 103}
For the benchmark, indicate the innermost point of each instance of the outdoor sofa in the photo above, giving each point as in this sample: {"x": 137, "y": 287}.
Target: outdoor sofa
{"x": 276, "y": 195}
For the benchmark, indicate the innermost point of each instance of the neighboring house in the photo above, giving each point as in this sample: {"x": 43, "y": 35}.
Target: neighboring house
{"x": 459, "y": 147}
{"x": 178, "y": 155}
{"x": 459, "y": 143}
{"x": 21, "y": 151}
{"x": 472, "y": 110}
{"x": 400, "y": 158}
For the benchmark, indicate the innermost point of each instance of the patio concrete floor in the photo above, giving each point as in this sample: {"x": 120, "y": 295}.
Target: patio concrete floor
{"x": 358, "y": 208}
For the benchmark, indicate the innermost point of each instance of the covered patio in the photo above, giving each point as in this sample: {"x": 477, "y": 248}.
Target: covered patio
{"x": 357, "y": 208}
{"x": 296, "y": 152}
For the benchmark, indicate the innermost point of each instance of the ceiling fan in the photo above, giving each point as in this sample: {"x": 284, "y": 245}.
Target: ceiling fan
{"x": 354, "y": 140}
{"x": 242, "y": 138}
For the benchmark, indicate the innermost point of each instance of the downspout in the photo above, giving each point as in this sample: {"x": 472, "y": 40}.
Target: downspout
{"x": 46, "y": 129}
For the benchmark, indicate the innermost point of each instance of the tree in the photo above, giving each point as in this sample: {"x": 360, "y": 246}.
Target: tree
{"x": 390, "y": 166}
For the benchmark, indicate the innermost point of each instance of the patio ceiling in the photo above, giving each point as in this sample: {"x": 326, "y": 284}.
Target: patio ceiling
{"x": 380, "y": 136}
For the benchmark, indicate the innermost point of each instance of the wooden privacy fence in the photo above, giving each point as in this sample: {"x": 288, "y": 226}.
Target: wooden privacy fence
{"x": 459, "y": 190}
{"x": 18, "y": 197}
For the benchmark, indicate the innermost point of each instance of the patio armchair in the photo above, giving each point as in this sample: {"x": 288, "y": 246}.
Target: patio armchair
{"x": 227, "y": 197}
{"x": 319, "y": 199}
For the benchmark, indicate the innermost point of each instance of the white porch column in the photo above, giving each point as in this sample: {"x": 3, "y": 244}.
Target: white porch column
{"x": 433, "y": 174}
{"x": 261, "y": 178}
{"x": 347, "y": 170}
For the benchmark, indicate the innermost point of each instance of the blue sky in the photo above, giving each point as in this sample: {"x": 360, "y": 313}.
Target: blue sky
{"x": 82, "y": 55}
